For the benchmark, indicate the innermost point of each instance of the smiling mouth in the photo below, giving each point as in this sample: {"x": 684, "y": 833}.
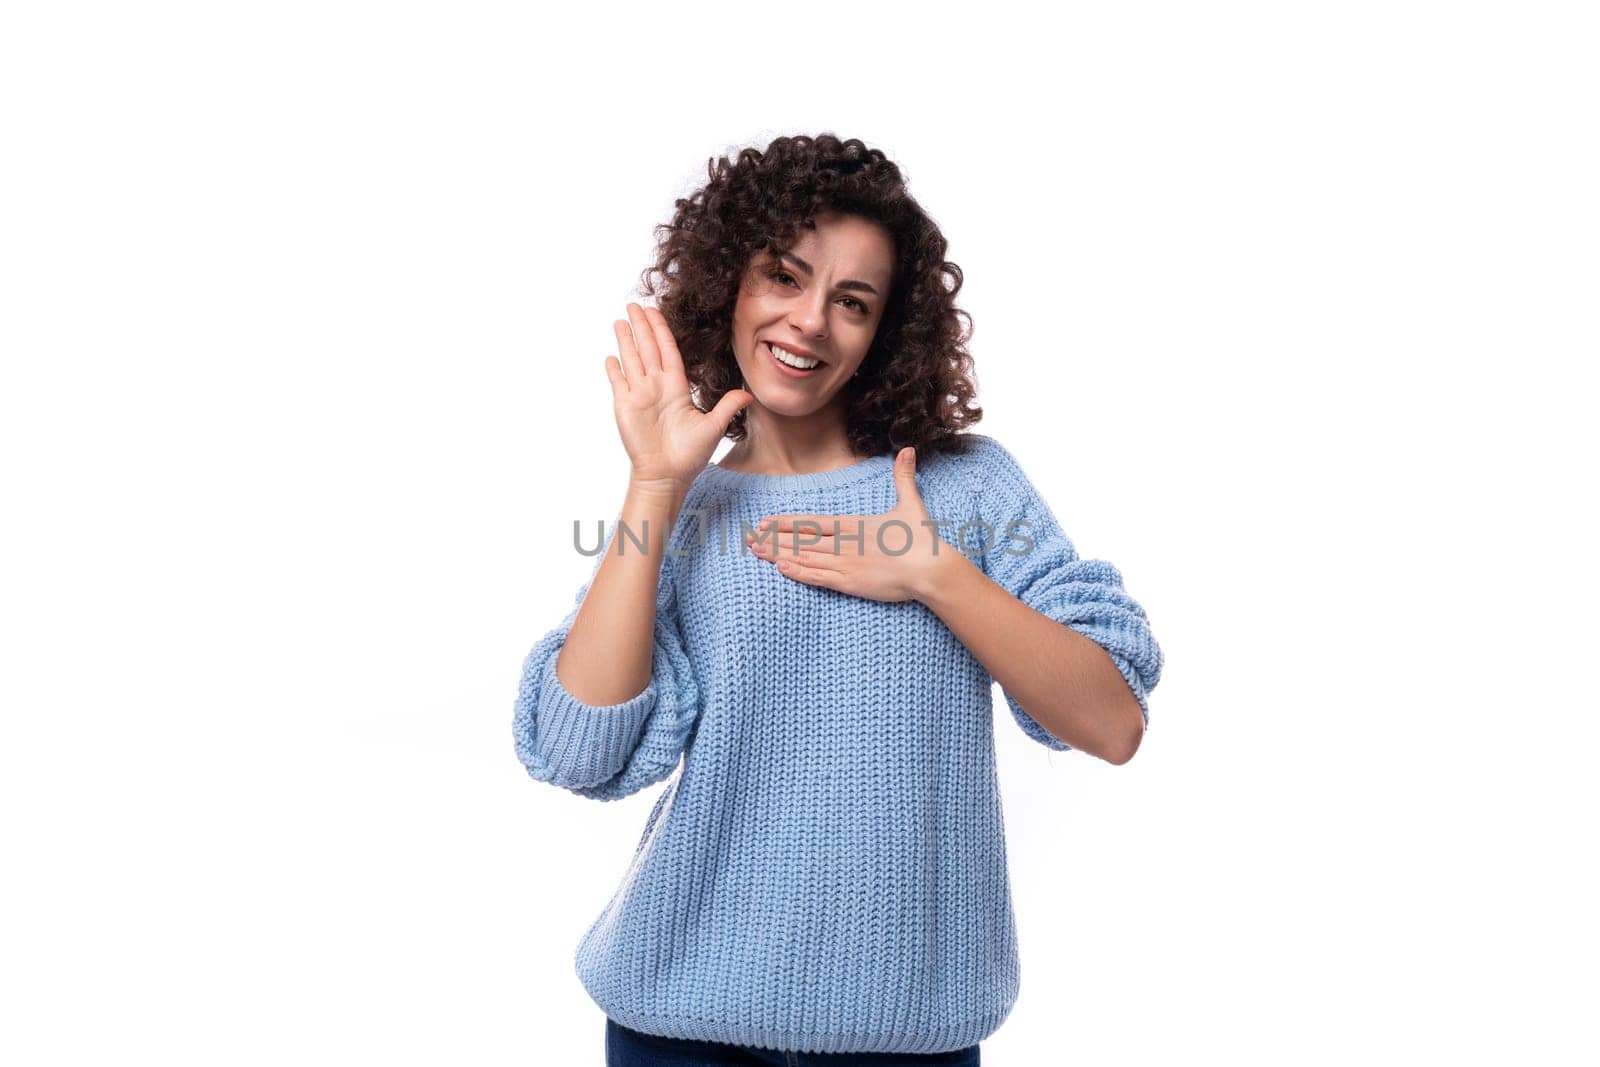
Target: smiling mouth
{"x": 789, "y": 361}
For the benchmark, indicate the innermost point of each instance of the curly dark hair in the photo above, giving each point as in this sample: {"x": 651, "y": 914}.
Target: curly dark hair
{"x": 917, "y": 383}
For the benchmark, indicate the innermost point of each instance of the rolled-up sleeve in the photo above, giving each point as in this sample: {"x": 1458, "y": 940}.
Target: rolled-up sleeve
{"x": 1030, "y": 556}
{"x": 606, "y": 752}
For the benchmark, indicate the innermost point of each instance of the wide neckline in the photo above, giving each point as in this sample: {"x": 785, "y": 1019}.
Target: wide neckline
{"x": 865, "y": 468}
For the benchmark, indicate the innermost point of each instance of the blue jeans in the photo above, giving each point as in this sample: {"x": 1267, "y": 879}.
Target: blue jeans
{"x": 630, "y": 1048}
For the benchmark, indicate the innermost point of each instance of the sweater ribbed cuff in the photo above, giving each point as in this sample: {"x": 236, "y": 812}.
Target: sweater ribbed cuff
{"x": 585, "y": 744}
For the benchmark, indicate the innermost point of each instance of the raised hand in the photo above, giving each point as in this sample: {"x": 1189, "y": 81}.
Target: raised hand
{"x": 669, "y": 441}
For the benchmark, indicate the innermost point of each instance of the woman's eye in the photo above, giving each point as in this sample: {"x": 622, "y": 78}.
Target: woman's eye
{"x": 783, "y": 277}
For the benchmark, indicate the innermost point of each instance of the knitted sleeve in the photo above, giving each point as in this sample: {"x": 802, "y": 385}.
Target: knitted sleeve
{"x": 1032, "y": 558}
{"x": 611, "y": 751}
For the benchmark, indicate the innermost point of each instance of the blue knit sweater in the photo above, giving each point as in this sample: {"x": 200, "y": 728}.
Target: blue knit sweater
{"x": 828, "y": 873}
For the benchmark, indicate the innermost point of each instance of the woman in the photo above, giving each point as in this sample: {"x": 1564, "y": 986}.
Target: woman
{"x": 826, "y": 881}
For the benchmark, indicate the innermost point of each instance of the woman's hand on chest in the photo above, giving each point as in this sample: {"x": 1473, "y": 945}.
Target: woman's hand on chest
{"x": 893, "y": 556}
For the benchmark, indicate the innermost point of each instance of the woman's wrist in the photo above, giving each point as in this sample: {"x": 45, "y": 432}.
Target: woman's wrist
{"x": 650, "y": 510}
{"x": 943, "y": 579}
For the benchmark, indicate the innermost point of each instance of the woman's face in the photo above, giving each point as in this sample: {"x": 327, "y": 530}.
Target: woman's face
{"x": 822, "y": 301}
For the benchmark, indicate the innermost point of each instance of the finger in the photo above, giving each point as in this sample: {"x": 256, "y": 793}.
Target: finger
{"x": 671, "y": 358}
{"x": 817, "y": 576}
{"x": 644, "y": 337}
{"x": 729, "y": 406}
{"x": 840, "y": 528}
{"x": 619, "y": 384}
{"x": 798, "y": 535}
{"x": 905, "y": 461}
{"x": 790, "y": 544}
{"x": 824, "y": 522}
{"x": 825, "y": 557}
{"x": 831, "y": 556}
{"x": 905, "y": 477}
{"x": 630, "y": 355}
{"x": 762, "y": 544}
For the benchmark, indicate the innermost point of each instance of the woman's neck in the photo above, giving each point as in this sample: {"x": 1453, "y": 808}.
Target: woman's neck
{"x": 809, "y": 450}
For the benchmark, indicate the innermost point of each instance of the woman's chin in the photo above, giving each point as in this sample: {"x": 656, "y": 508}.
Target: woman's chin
{"x": 778, "y": 402}
{"x": 789, "y": 397}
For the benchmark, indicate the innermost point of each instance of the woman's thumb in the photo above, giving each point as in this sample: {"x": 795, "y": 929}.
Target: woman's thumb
{"x": 729, "y": 406}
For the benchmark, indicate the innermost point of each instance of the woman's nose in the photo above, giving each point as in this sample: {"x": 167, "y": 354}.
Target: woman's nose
{"x": 811, "y": 319}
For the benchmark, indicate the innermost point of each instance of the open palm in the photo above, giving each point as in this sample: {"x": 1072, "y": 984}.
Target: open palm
{"x": 668, "y": 439}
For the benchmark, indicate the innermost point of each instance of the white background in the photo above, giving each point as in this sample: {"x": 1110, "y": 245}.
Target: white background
{"x": 1288, "y": 309}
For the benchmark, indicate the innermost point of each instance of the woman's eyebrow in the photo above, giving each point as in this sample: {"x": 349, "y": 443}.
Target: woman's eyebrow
{"x": 851, "y": 284}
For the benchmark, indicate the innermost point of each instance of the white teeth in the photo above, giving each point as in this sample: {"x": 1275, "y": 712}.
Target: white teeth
{"x": 789, "y": 358}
